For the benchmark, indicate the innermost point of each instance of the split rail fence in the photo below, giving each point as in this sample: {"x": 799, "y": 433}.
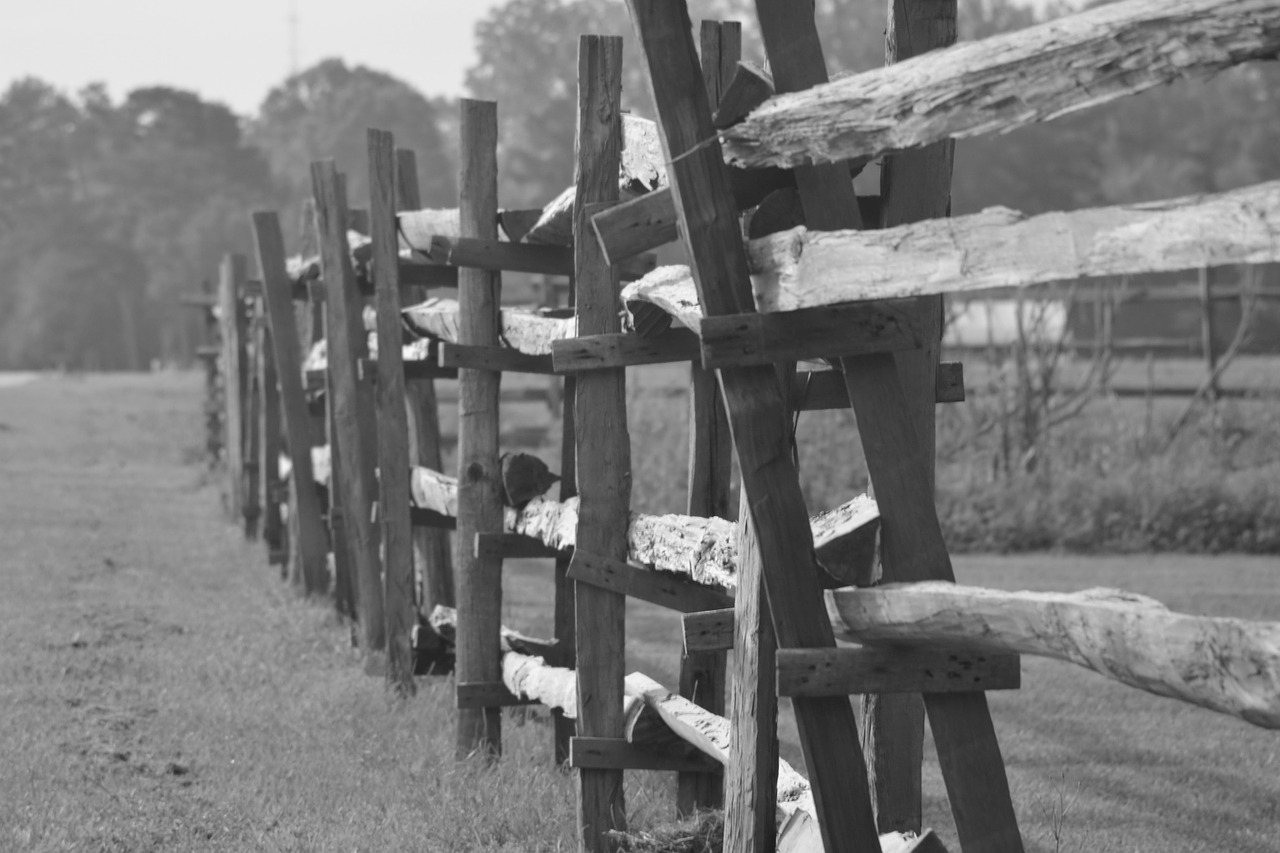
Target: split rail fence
{"x": 829, "y": 300}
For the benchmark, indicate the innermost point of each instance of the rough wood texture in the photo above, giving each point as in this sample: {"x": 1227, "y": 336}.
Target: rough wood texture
{"x": 1229, "y": 665}
{"x": 703, "y": 675}
{"x": 914, "y": 185}
{"x": 399, "y": 597}
{"x": 669, "y": 295}
{"x": 529, "y": 332}
{"x": 603, "y": 443}
{"x": 700, "y": 184}
{"x": 1007, "y": 81}
{"x": 897, "y": 671}
{"x": 231, "y": 277}
{"x": 432, "y": 559}
{"x": 273, "y": 488}
{"x": 479, "y": 491}
{"x": 1000, "y": 247}
{"x": 665, "y": 590}
{"x": 640, "y": 171}
{"x": 309, "y": 543}
{"x": 624, "y": 349}
{"x": 350, "y": 401}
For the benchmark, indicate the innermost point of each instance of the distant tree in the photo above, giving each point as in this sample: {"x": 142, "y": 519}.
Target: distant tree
{"x": 115, "y": 210}
{"x": 325, "y": 112}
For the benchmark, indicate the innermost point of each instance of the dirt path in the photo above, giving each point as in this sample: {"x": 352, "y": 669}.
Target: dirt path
{"x": 160, "y": 689}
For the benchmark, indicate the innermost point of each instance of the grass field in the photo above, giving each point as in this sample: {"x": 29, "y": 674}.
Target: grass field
{"x": 160, "y": 689}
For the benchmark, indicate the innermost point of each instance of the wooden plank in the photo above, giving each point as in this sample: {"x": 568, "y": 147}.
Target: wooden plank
{"x": 252, "y": 472}
{"x": 608, "y": 753}
{"x": 399, "y": 593}
{"x": 665, "y": 590}
{"x": 703, "y": 676}
{"x": 431, "y": 547}
{"x": 520, "y": 257}
{"x": 1000, "y": 247}
{"x": 492, "y": 358}
{"x": 310, "y": 543}
{"x": 1229, "y": 665}
{"x": 949, "y": 383}
{"x": 231, "y": 274}
{"x": 700, "y": 185}
{"x": 603, "y": 444}
{"x": 978, "y": 790}
{"x": 344, "y": 580}
{"x": 273, "y": 489}
{"x": 871, "y": 670}
{"x": 350, "y": 401}
{"x": 709, "y": 630}
{"x": 511, "y": 546}
{"x": 1006, "y": 81}
{"x": 623, "y": 349}
{"x": 857, "y": 329}
{"x": 649, "y": 221}
{"x": 479, "y": 489}
{"x": 481, "y": 695}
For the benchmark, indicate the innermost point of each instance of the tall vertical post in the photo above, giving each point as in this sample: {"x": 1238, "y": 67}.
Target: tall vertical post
{"x": 1207, "y": 342}
{"x": 914, "y": 185}
{"x": 479, "y": 578}
{"x": 252, "y": 450}
{"x": 702, "y": 674}
{"x": 603, "y": 443}
{"x": 309, "y": 545}
{"x": 269, "y": 459}
{"x": 231, "y": 276}
{"x": 351, "y": 400}
{"x": 431, "y": 555}
{"x": 393, "y": 421}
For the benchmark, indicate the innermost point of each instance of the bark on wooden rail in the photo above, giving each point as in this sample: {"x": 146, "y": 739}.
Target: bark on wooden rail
{"x": 703, "y": 549}
{"x": 1228, "y": 665}
{"x": 995, "y": 248}
{"x": 1006, "y": 81}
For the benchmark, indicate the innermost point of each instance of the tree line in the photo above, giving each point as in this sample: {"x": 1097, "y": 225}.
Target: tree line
{"x": 111, "y": 211}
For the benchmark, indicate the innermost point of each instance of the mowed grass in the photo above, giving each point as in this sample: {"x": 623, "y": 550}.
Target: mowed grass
{"x": 161, "y": 689}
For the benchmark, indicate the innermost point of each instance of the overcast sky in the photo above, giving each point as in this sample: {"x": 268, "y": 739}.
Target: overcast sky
{"x": 233, "y": 51}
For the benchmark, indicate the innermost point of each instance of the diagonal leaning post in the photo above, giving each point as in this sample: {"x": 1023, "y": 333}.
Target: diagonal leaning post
{"x": 603, "y": 445}
{"x": 753, "y": 396}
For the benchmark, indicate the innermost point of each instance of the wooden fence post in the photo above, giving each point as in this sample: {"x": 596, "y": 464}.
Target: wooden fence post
{"x": 702, "y": 674}
{"x": 393, "y": 422}
{"x": 309, "y": 545}
{"x": 1207, "y": 342}
{"x": 231, "y": 276}
{"x": 431, "y": 545}
{"x": 351, "y": 401}
{"x": 479, "y": 578}
{"x": 269, "y": 460}
{"x": 603, "y": 443}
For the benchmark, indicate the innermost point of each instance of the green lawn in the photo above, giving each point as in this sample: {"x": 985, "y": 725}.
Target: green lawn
{"x": 160, "y": 689}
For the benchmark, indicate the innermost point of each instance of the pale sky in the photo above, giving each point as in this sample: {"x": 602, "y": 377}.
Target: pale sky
{"x": 233, "y": 51}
